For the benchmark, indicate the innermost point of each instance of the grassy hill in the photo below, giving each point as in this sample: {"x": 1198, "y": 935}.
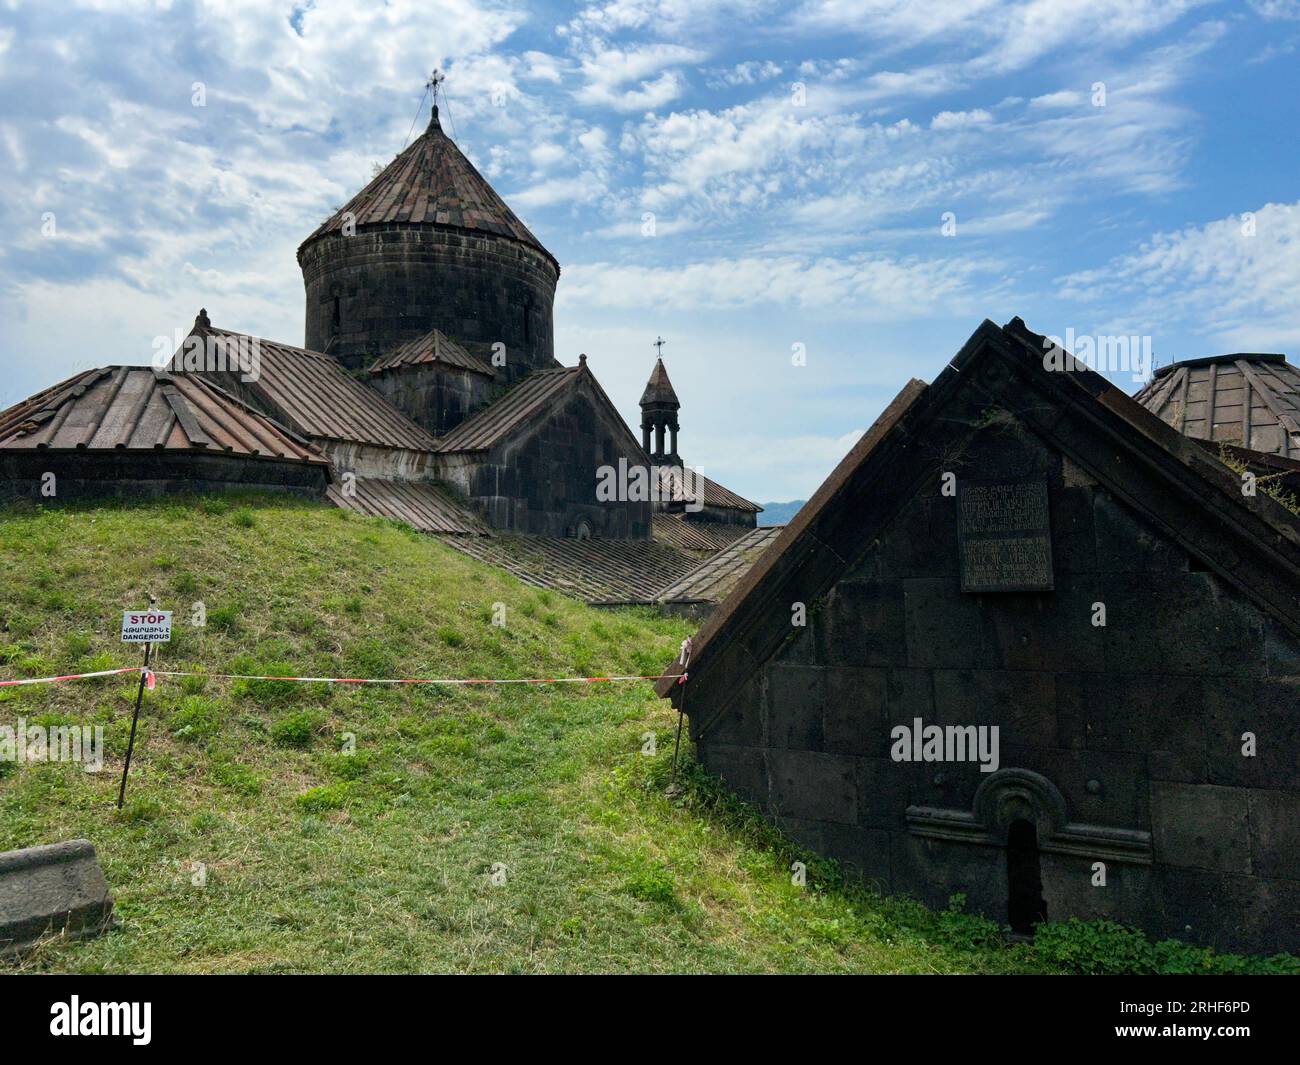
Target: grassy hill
{"x": 381, "y": 860}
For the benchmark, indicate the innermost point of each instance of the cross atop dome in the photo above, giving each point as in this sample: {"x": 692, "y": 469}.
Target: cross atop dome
{"x": 431, "y": 86}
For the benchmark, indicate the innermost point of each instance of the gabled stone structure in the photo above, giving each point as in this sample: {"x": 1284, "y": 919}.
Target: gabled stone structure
{"x": 529, "y": 462}
{"x": 1030, "y": 551}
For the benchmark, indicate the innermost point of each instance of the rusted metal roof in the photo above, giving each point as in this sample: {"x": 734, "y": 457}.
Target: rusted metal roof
{"x": 532, "y": 395}
{"x": 137, "y": 408}
{"x": 711, "y": 536}
{"x": 424, "y": 506}
{"x": 434, "y": 346}
{"x": 1247, "y": 400}
{"x": 431, "y": 183}
{"x": 598, "y": 571}
{"x": 712, "y": 580}
{"x": 310, "y": 392}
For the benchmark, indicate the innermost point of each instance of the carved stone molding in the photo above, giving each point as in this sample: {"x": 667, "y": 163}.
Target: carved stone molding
{"x": 1018, "y": 794}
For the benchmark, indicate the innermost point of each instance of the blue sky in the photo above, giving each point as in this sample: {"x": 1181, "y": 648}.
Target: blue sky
{"x": 798, "y": 159}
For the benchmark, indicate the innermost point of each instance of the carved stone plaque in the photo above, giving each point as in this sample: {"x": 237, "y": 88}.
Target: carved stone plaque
{"x": 1005, "y": 536}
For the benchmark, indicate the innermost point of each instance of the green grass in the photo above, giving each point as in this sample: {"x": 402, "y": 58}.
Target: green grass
{"x": 347, "y": 829}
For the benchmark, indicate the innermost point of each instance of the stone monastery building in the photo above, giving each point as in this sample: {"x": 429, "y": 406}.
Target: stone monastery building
{"x": 427, "y": 391}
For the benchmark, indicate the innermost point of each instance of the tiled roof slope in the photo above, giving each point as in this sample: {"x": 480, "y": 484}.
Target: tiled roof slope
{"x": 714, "y": 494}
{"x": 431, "y": 182}
{"x": 600, "y": 571}
{"x": 420, "y": 504}
{"x": 530, "y": 397}
{"x": 137, "y": 408}
{"x": 713, "y": 579}
{"x": 1252, "y": 401}
{"x": 310, "y": 392}
{"x": 433, "y": 346}
{"x": 708, "y": 536}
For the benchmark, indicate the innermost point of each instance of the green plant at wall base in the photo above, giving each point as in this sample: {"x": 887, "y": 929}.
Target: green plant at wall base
{"x": 1106, "y": 948}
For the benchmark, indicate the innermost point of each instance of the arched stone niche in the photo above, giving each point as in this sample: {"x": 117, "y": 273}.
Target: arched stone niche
{"x": 1019, "y": 795}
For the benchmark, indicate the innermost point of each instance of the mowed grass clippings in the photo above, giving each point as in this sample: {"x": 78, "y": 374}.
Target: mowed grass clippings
{"x": 317, "y": 828}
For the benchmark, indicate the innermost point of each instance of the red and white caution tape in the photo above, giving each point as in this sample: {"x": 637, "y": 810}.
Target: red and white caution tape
{"x": 151, "y": 674}
{"x": 70, "y": 676}
{"x": 407, "y": 680}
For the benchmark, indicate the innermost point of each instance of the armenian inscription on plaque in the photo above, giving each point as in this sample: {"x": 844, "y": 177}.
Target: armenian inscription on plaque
{"x": 1005, "y": 535}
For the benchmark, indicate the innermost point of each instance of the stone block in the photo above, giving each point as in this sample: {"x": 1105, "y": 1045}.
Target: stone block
{"x": 1201, "y": 826}
{"x": 1266, "y": 708}
{"x": 1069, "y": 890}
{"x": 884, "y": 789}
{"x": 742, "y": 769}
{"x": 57, "y": 888}
{"x": 861, "y": 624}
{"x": 1045, "y": 631}
{"x": 819, "y": 787}
{"x": 1142, "y": 713}
{"x": 740, "y": 721}
{"x": 1073, "y": 535}
{"x": 1275, "y": 833}
{"x": 854, "y": 711}
{"x": 1281, "y": 651}
{"x": 796, "y": 696}
{"x": 944, "y": 628}
{"x": 862, "y": 852}
{"x": 1022, "y": 705}
{"x": 1179, "y": 623}
{"x": 1127, "y": 544}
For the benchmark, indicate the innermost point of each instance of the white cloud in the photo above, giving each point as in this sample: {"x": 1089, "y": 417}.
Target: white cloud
{"x": 751, "y": 72}
{"x": 854, "y": 287}
{"x": 567, "y": 190}
{"x": 948, "y": 120}
{"x": 546, "y": 155}
{"x": 1065, "y": 99}
{"x": 1218, "y": 278}
{"x": 622, "y": 78}
{"x": 1276, "y": 9}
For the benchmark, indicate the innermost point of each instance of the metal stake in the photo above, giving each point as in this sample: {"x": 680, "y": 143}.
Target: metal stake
{"x": 135, "y": 718}
{"x": 681, "y": 709}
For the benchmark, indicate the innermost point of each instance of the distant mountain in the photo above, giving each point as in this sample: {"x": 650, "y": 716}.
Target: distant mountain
{"x": 780, "y": 513}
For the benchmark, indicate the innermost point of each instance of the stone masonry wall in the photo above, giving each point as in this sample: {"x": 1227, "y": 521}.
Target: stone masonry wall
{"x": 1137, "y": 724}
{"x": 544, "y": 481}
{"x": 395, "y": 282}
{"x": 436, "y": 397}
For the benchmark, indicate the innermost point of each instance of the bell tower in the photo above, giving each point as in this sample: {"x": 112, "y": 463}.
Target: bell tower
{"x": 659, "y": 407}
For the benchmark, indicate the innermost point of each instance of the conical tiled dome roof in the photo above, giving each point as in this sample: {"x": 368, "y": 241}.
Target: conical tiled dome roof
{"x": 659, "y": 389}
{"x": 431, "y": 182}
{"x": 1250, "y": 400}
